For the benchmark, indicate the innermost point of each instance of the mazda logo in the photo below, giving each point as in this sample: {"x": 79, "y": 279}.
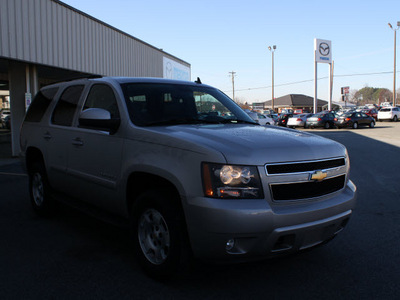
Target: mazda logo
{"x": 324, "y": 49}
{"x": 168, "y": 70}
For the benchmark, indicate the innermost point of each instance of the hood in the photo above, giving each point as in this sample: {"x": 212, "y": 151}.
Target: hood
{"x": 250, "y": 144}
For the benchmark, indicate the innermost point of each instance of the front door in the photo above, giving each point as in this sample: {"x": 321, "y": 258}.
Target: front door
{"x": 94, "y": 157}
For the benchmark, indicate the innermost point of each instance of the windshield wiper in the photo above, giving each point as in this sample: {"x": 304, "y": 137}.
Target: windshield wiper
{"x": 180, "y": 121}
{"x": 235, "y": 121}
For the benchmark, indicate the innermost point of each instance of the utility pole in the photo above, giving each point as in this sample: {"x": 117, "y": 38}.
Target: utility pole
{"x": 272, "y": 49}
{"x": 394, "y": 64}
{"x": 233, "y": 84}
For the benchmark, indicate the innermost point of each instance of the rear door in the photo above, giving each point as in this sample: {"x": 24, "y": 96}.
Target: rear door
{"x": 58, "y": 134}
{"x": 365, "y": 119}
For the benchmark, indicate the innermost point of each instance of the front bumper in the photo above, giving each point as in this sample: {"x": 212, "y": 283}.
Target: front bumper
{"x": 261, "y": 230}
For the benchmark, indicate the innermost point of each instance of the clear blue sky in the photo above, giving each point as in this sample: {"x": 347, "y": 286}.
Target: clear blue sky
{"x": 220, "y": 36}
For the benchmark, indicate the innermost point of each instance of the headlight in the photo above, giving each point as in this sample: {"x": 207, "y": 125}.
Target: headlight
{"x": 231, "y": 181}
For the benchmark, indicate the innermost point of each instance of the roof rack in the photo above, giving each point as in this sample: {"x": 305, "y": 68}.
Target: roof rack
{"x": 77, "y": 77}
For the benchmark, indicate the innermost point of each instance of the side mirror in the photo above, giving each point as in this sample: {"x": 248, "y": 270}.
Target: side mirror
{"x": 98, "y": 119}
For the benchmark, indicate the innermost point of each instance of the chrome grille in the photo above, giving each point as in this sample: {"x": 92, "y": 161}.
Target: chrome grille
{"x": 304, "y": 166}
{"x": 298, "y": 180}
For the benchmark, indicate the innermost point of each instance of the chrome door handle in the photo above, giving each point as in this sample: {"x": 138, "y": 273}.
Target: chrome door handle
{"x": 47, "y": 136}
{"x": 77, "y": 142}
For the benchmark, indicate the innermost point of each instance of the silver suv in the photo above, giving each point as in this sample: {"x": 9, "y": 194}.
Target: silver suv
{"x": 186, "y": 167}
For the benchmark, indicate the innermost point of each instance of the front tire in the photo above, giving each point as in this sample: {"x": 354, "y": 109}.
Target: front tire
{"x": 395, "y": 118}
{"x": 158, "y": 234}
{"x": 372, "y": 124}
{"x": 39, "y": 191}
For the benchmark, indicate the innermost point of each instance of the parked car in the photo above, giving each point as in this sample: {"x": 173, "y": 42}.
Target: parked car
{"x": 386, "y": 104}
{"x": 298, "y": 120}
{"x": 3, "y": 114}
{"x": 7, "y": 122}
{"x": 355, "y": 120}
{"x": 389, "y": 113}
{"x": 283, "y": 119}
{"x": 148, "y": 153}
{"x": 322, "y": 119}
{"x": 260, "y": 118}
{"x": 269, "y": 112}
{"x": 273, "y": 117}
{"x": 287, "y": 111}
{"x": 372, "y": 112}
{"x": 300, "y": 111}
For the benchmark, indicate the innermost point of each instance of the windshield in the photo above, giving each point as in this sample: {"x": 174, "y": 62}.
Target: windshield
{"x": 151, "y": 104}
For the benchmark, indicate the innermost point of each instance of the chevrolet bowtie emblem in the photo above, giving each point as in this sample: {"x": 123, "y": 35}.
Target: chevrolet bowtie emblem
{"x": 318, "y": 176}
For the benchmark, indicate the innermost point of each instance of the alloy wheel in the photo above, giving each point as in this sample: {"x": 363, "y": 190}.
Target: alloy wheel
{"x": 37, "y": 189}
{"x": 154, "y": 237}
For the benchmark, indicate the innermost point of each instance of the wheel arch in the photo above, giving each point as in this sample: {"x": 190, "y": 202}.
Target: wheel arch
{"x": 32, "y": 155}
{"x": 139, "y": 181}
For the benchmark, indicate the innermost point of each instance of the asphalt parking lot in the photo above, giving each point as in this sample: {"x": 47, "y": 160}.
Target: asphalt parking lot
{"x": 75, "y": 256}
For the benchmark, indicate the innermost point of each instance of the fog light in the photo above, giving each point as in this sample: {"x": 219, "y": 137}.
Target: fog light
{"x": 230, "y": 244}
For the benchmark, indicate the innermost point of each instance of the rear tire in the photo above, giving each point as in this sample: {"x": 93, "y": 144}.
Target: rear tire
{"x": 158, "y": 234}
{"x": 355, "y": 125}
{"x": 326, "y": 125}
{"x": 39, "y": 191}
{"x": 395, "y": 118}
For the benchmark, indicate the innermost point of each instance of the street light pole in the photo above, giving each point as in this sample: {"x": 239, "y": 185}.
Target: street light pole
{"x": 272, "y": 49}
{"x": 233, "y": 84}
{"x": 394, "y": 64}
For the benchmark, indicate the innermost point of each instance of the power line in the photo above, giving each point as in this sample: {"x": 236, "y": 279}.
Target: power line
{"x": 310, "y": 80}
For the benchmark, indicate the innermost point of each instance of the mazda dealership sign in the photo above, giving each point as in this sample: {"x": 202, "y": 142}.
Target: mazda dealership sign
{"x": 323, "y": 51}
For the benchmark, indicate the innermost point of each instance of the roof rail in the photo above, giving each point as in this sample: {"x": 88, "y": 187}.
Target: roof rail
{"x": 76, "y": 78}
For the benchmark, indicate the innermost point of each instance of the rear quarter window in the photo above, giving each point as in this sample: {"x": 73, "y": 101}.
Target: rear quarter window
{"x": 40, "y": 104}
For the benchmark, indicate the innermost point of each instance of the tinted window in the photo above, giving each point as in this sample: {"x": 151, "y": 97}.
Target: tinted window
{"x": 102, "y": 96}
{"x": 64, "y": 111}
{"x": 40, "y": 104}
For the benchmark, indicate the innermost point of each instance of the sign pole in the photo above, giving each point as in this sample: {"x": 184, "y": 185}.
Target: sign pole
{"x": 330, "y": 87}
{"x": 315, "y": 81}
